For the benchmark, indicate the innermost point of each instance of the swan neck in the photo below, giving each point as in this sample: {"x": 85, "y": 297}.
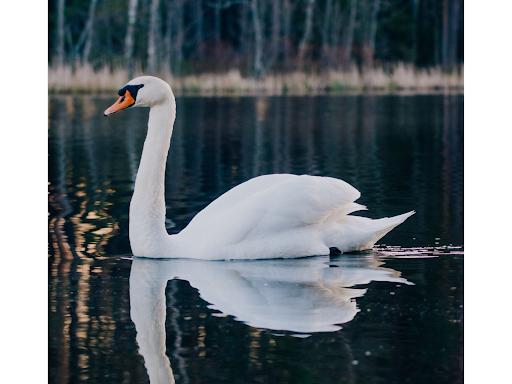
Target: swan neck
{"x": 147, "y": 207}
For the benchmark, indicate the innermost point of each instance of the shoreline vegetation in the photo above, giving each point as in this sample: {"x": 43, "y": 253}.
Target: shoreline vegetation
{"x": 256, "y": 47}
{"x": 83, "y": 78}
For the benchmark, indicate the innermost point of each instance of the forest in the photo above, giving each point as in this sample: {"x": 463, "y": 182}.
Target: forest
{"x": 325, "y": 44}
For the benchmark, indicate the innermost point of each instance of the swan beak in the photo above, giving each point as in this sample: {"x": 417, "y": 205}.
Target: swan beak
{"x": 123, "y": 102}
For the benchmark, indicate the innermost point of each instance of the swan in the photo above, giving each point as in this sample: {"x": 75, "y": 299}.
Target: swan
{"x": 269, "y": 216}
{"x": 302, "y": 296}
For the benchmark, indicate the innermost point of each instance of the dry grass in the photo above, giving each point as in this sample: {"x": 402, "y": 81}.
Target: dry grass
{"x": 400, "y": 78}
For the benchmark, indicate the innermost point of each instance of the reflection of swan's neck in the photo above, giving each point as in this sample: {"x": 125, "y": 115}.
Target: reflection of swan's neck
{"x": 148, "y": 309}
{"x": 147, "y": 208}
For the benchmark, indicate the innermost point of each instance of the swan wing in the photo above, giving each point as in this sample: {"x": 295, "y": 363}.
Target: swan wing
{"x": 272, "y": 203}
{"x": 240, "y": 193}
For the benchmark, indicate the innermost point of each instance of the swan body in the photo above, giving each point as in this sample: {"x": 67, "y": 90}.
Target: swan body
{"x": 269, "y": 216}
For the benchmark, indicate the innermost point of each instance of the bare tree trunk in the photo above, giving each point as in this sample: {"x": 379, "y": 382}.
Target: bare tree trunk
{"x": 258, "y": 39}
{"x": 415, "y": 5}
{"x": 369, "y": 46}
{"x": 326, "y": 48}
{"x": 336, "y": 29}
{"x": 60, "y": 33}
{"x": 373, "y": 30}
{"x": 90, "y": 31}
{"x": 168, "y": 38}
{"x": 308, "y": 23}
{"x": 453, "y": 33}
{"x": 153, "y": 32}
{"x": 179, "y": 36}
{"x": 444, "y": 35}
{"x": 275, "y": 31}
{"x": 198, "y": 14}
{"x": 128, "y": 42}
{"x": 348, "y": 38}
{"x": 287, "y": 15}
{"x": 216, "y": 30}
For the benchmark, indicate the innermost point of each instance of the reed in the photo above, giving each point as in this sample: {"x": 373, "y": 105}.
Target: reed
{"x": 401, "y": 77}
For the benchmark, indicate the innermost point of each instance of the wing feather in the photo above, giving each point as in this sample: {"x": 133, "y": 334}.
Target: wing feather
{"x": 271, "y": 203}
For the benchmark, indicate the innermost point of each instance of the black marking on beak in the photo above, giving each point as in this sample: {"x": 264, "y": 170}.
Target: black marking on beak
{"x": 134, "y": 89}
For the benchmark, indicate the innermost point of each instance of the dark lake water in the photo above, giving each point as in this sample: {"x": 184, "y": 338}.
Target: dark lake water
{"x": 392, "y": 315}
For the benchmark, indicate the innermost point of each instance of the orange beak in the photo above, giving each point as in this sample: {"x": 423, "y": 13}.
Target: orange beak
{"x": 123, "y": 102}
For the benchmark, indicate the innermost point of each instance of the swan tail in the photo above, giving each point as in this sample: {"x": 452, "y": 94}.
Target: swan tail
{"x": 387, "y": 224}
{"x": 393, "y": 221}
{"x": 357, "y": 233}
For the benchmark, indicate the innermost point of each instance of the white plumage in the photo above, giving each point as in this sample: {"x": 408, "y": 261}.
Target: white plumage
{"x": 281, "y": 216}
{"x": 299, "y": 296}
{"x": 270, "y": 216}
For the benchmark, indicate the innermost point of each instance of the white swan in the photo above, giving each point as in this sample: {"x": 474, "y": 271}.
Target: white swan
{"x": 270, "y": 216}
{"x": 299, "y": 296}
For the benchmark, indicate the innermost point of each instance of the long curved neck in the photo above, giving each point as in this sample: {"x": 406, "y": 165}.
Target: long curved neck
{"x": 147, "y": 207}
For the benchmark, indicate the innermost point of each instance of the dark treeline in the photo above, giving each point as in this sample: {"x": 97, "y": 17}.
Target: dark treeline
{"x": 255, "y": 36}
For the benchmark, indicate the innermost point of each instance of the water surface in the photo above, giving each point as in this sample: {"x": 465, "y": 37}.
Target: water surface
{"x": 391, "y": 315}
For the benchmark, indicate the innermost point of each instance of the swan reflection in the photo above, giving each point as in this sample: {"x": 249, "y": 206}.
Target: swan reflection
{"x": 301, "y": 296}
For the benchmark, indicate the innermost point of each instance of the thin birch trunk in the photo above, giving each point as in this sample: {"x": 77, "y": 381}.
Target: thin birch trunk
{"x": 179, "y": 36}
{"x": 369, "y": 48}
{"x": 168, "y": 42}
{"x": 308, "y": 24}
{"x": 198, "y": 14}
{"x": 258, "y": 39}
{"x": 90, "y": 31}
{"x": 275, "y": 33}
{"x": 445, "y": 33}
{"x": 415, "y": 6}
{"x": 348, "y": 38}
{"x": 128, "y": 42}
{"x": 216, "y": 30}
{"x": 336, "y": 29}
{"x": 453, "y": 34}
{"x": 153, "y": 37}
{"x": 287, "y": 15}
{"x": 327, "y": 24}
{"x": 60, "y": 33}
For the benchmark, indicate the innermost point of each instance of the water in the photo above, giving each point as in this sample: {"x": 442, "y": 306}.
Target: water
{"x": 386, "y": 316}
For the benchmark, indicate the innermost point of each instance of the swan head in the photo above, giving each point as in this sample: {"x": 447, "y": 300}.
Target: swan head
{"x": 142, "y": 91}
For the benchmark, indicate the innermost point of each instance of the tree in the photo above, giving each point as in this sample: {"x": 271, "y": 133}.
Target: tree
{"x": 372, "y": 10}
{"x": 327, "y": 25}
{"x": 308, "y": 23}
{"x": 153, "y": 36}
{"x": 451, "y": 17}
{"x": 287, "y": 15}
{"x": 60, "y": 33}
{"x": 198, "y": 23}
{"x": 179, "y": 36}
{"x": 258, "y": 39}
{"x": 128, "y": 42}
{"x": 346, "y": 53}
{"x": 255, "y": 36}
{"x": 90, "y": 31}
{"x": 275, "y": 32}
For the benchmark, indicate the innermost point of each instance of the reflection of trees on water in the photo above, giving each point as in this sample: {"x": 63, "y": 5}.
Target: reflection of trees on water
{"x": 380, "y": 145}
{"x": 79, "y": 227}
{"x": 452, "y": 157}
{"x": 80, "y": 189}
